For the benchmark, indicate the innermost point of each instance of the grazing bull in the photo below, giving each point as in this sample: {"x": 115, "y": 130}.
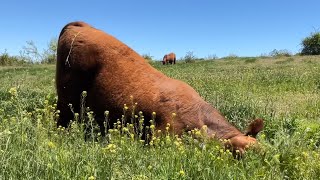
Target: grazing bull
{"x": 111, "y": 72}
{"x": 169, "y": 58}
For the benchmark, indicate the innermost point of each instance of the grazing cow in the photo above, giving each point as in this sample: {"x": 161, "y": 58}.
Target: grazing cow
{"x": 111, "y": 72}
{"x": 169, "y": 58}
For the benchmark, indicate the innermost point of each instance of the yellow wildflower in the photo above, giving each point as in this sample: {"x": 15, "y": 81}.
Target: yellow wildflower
{"x": 13, "y": 91}
{"x": 51, "y": 145}
{"x": 110, "y": 148}
{"x": 305, "y": 154}
{"x": 181, "y": 173}
{"x": 197, "y": 133}
{"x": 125, "y": 129}
{"x": 84, "y": 93}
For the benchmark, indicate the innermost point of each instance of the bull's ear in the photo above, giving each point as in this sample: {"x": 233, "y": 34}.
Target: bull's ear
{"x": 254, "y": 128}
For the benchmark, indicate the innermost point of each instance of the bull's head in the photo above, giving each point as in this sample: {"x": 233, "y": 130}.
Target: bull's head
{"x": 240, "y": 143}
{"x": 164, "y": 60}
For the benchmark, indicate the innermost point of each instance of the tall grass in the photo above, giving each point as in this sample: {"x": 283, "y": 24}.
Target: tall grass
{"x": 286, "y": 95}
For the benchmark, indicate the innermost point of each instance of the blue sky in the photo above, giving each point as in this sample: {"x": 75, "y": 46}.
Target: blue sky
{"x": 206, "y": 27}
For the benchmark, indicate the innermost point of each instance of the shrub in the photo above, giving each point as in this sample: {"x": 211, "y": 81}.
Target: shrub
{"x": 7, "y": 60}
{"x": 280, "y": 53}
{"x": 189, "y": 57}
{"x": 311, "y": 44}
{"x": 211, "y": 57}
{"x": 31, "y": 53}
{"x": 231, "y": 56}
{"x": 147, "y": 57}
{"x": 49, "y": 55}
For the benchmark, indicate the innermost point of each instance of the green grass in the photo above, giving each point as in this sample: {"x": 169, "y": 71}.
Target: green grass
{"x": 283, "y": 91}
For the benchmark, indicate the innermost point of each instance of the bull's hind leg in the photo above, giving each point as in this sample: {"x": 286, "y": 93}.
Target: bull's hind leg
{"x": 68, "y": 104}
{"x": 65, "y": 115}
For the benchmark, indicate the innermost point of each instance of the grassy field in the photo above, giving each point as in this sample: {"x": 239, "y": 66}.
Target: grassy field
{"x": 285, "y": 92}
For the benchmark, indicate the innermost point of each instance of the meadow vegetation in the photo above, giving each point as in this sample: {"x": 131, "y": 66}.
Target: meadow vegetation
{"x": 30, "y": 54}
{"x": 284, "y": 91}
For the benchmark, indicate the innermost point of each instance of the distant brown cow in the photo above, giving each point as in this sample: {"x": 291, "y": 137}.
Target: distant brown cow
{"x": 169, "y": 58}
{"x": 93, "y": 61}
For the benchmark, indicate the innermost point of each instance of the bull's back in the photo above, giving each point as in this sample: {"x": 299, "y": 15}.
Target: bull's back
{"x": 91, "y": 60}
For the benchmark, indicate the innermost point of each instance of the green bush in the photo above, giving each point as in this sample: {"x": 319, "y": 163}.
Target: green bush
{"x": 189, "y": 57}
{"x": 231, "y": 56}
{"x": 311, "y": 44}
{"x": 7, "y": 60}
{"x": 147, "y": 57}
{"x": 280, "y": 53}
{"x": 211, "y": 57}
{"x": 31, "y": 53}
{"x": 49, "y": 55}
